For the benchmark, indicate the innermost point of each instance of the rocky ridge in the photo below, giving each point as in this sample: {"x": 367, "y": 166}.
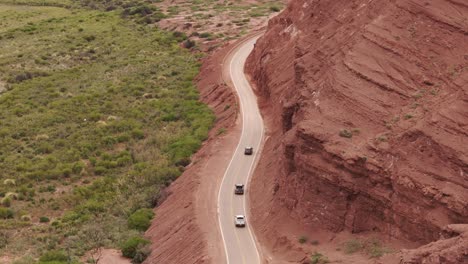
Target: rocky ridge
{"x": 367, "y": 105}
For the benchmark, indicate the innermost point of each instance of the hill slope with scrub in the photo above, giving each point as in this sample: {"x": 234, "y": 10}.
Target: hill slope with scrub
{"x": 97, "y": 114}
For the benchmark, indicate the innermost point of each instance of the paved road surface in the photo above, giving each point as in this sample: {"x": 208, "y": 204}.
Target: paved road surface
{"x": 239, "y": 243}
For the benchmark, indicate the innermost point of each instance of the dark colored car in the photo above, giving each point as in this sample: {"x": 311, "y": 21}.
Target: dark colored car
{"x": 248, "y": 151}
{"x": 239, "y": 189}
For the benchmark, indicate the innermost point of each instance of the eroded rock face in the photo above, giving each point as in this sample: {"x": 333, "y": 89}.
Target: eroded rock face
{"x": 368, "y": 109}
{"x": 451, "y": 249}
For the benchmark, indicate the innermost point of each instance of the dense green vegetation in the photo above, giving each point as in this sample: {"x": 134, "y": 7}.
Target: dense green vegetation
{"x": 99, "y": 114}
{"x": 144, "y": 11}
{"x": 134, "y": 248}
{"x": 140, "y": 219}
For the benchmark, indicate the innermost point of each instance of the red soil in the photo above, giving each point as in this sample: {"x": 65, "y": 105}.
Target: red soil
{"x": 112, "y": 256}
{"x": 394, "y": 75}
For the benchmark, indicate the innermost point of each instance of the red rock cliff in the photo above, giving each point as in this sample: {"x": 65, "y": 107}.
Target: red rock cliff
{"x": 367, "y": 104}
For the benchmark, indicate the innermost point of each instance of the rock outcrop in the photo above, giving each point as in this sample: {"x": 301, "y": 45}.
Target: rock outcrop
{"x": 451, "y": 249}
{"x": 367, "y": 105}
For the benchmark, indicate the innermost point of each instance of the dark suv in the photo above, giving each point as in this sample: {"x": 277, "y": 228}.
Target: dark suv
{"x": 239, "y": 189}
{"x": 248, "y": 151}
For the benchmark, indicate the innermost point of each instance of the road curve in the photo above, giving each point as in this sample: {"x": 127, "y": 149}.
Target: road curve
{"x": 239, "y": 243}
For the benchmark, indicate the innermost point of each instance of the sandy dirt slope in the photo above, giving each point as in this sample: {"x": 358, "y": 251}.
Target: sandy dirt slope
{"x": 112, "y": 256}
{"x": 367, "y": 109}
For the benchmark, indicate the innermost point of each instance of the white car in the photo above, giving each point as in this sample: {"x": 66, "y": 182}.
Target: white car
{"x": 239, "y": 220}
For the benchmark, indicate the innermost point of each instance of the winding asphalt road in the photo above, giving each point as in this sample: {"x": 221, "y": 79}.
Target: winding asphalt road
{"x": 239, "y": 243}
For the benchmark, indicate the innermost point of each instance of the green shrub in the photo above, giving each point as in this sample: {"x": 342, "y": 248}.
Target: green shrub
{"x": 89, "y": 38}
{"x": 221, "y": 131}
{"x": 205, "y": 35}
{"x": 25, "y": 218}
{"x": 123, "y": 138}
{"x": 54, "y": 255}
{"x": 100, "y": 170}
{"x": 141, "y": 219}
{"x": 130, "y": 247}
{"x": 346, "y": 133}
{"x": 10, "y": 182}
{"x": 275, "y": 9}
{"x": 6, "y": 213}
{"x": 78, "y": 167}
{"x": 44, "y": 219}
{"x": 6, "y": 201}
{"x": 179, "y": 36}
{"x": 138, "y": 134}
{"x": 353, "y": 246}
{"x": 302, "y": 239}
{"x": 408, "y": 116}
{"x": 375, "y": 249}
{"x": 188, "y": 44}
{"x": 141, "y": 254}
{"x": 51, "y": 188}
{"x": 318, "y": 258}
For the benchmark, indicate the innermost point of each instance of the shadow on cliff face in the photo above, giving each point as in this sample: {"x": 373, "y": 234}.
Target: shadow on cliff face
{"x": 367, "y": 108}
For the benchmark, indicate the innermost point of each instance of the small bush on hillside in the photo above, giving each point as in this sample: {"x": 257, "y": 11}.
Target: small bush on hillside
{"x": 10, "y": 182}
{"x": 353, "y": 246}
{"x": 318, "y": 258}
{"x": 205, "y": 35}
{"x": 26, "y": 218}
{"x": 51, "y": 188}
{"x": 275, "y": 9}
{"x": 221, "y": 131}
{"x": 346, "y": 133}
{"x": 375, "y": 249}
{"x": 53, "y": 255}
{"x": 138, "y": 134}
{"x": 44, "y": 219}
{"x": 314, "y": 242}
{"x": 130, "y": 247}
{"x": 141, "y": 254}
{"x": 78, "y": 167}
{"x": 6, "y": 213}
{"x": 6, "y": 201}
{"x": 188, "y": 44}
{"x": 408, "y": 116}
{"x": 89, "y": 38}
{"x": 179, "y": 36}
{"x": 141, "y": 219}
{"x": 5, "y": 239}
{"x": 302, "y": 239}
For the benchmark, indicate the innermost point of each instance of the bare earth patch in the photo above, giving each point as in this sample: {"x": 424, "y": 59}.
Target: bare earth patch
{"x": 112, "y": 256}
